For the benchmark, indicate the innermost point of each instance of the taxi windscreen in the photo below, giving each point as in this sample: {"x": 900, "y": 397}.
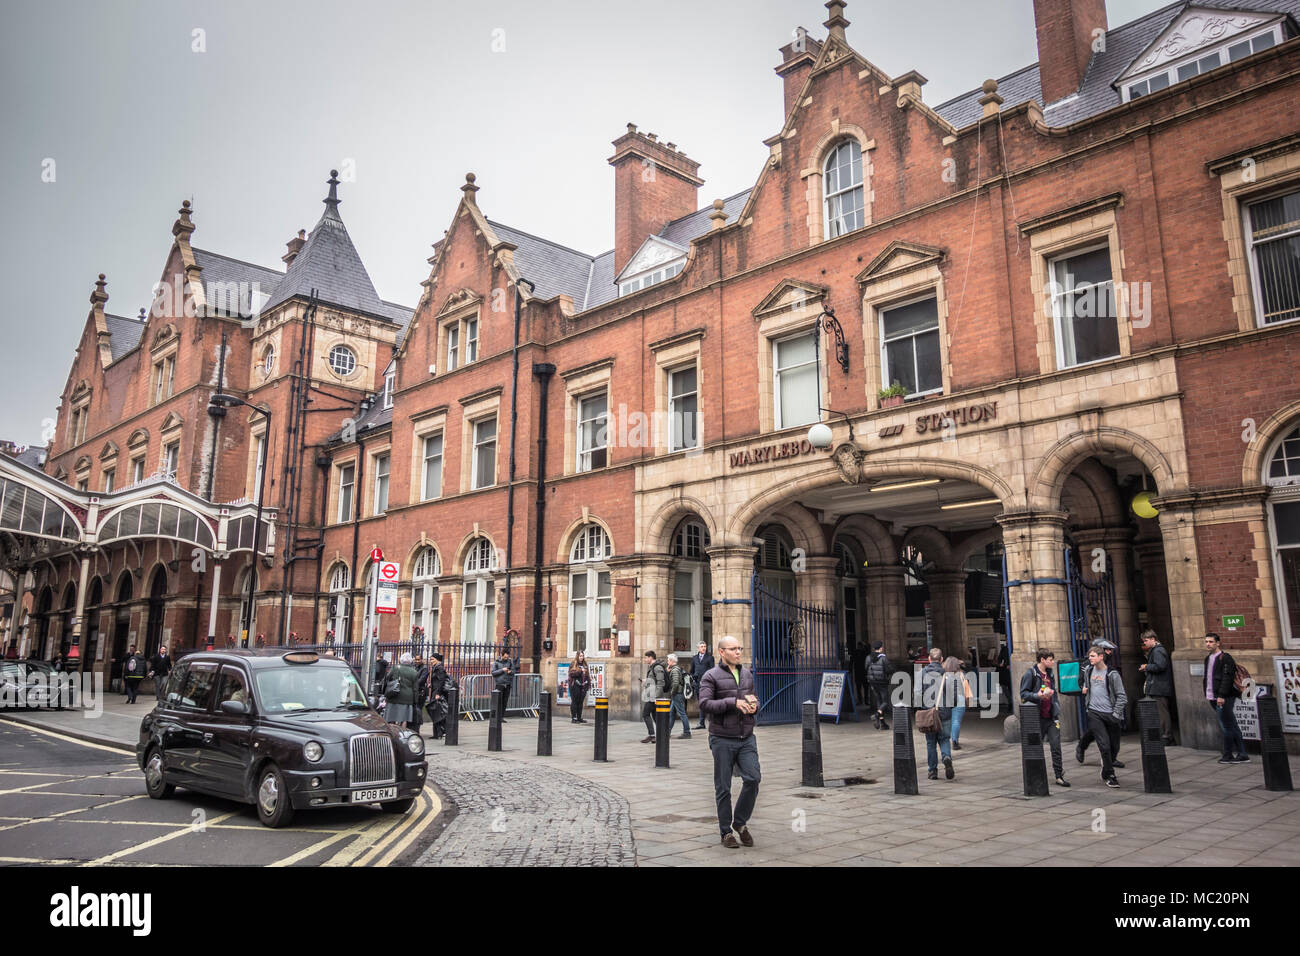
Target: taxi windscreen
{"x": 284, "y": 690}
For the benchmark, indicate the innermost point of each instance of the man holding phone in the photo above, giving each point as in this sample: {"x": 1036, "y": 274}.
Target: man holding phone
{"x": 727, "y": 697}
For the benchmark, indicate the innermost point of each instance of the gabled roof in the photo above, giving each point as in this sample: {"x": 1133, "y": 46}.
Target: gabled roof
{"x": 219, "y": 268}
{"x": 1098, "y": 93}
{"x": 590, "y": 280}
{"x": 329, "y": 263}
{"x": 123, "y": 334}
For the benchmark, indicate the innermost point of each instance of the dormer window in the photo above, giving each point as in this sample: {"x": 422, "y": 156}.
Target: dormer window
{"x": 388, "y": 389}
{"x": 658, "y": 260}
{"x": 650, "y": 278}
{"x": 1157, "y": 70}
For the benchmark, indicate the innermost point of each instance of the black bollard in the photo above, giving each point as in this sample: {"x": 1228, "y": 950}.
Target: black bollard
{"x": 662, "y": 730}
{"x": 451, "y": 736}
{"x": 1272, "y": 746}
{"x": 904, "y": 752}
{"x": 1033, "y": 765}
{"x": 1155, "y": 763}
{"x": 602, "y": 729}
{"x": 812, "y": 747}
{"x": 494, "y": 721}
{"x": 544, "y": 725}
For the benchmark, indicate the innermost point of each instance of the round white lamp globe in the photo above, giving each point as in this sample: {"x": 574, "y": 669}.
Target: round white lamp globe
{"x": 819, "y": 436}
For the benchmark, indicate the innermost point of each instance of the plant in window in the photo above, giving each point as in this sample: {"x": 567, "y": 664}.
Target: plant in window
{"x": 893, "y": 395}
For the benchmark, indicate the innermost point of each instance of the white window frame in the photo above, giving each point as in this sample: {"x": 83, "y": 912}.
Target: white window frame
{"x": 471, "y": 340}
{"x": 587, "y": 454}
{"x": 661, "y": 274}
{"x": 588, "y": 554}
{"x": 425, "y": 458}
{"x": 137, "y": 469}
{"x": 777, "y": 373}
{"x": 835, "y": 224}
{"x": 881, "y": 312}
{"x": 674, "y": 417}
{"x": 171, "y": 458}
{"x": 1057, "y": 314}
{"x": 1256, "y": 286}
{"x": 476, "y": 482}
{"x": 388, "y": 389}
{"x": 453, "y": 346}
{"x": 340, "y": 607}
{"x": 479, "y": 594}
{"x": 352, "y": 359}
{"x": 383, "y": 465}
{"x": 348, "y": 471}
{"x": 268, "y": 361}
{"x": 259, "y": 462}
{"x": 424, "y": 592}
{"x": 1284, "y": 491}
{"x": 1168, "y": 72}
{"x": 109, "y": 475}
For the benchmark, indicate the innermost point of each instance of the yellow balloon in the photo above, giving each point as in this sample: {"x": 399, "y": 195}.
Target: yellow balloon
{"x": 1142, "y": 505}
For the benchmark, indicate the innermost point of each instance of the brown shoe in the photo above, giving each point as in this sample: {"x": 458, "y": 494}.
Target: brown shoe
{"x": 745, "y": 837}
{"x": 729, "y": 841}
{"x": 647, "y": 740}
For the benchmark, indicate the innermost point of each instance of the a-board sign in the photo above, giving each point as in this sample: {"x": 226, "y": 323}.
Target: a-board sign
{"x": 835, "y": 690}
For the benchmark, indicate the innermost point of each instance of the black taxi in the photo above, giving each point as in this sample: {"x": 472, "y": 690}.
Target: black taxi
{"x": 281, "y": 730}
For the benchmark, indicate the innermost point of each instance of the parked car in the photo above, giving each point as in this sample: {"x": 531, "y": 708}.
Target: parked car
{"x": 27, "y": 683}
{"x": 284, "y": 731}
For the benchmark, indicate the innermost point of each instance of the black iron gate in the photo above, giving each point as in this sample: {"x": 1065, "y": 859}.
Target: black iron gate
{"x": 793, "y": 644}
{"x": 1090, "y": 599}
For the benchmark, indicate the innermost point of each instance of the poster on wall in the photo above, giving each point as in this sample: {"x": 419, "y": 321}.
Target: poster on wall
{"x": 562, "y": 682}
{"x": 1247, "y": 713}
{"x": 597, "y": 684}
{"x": 1287, "y": 670}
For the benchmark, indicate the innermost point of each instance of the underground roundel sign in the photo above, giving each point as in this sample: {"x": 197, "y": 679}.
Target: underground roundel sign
{"x": 386, "y": 588}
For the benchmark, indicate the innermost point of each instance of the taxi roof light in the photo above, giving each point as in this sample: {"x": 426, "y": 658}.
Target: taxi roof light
{"x": 301, "y": 657}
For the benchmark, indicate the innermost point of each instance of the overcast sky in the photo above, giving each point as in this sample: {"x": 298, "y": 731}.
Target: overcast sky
{"x": 410, "y": 94}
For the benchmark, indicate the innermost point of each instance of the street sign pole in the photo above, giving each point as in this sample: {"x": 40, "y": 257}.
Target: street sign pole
{"x": 368, "y": 647}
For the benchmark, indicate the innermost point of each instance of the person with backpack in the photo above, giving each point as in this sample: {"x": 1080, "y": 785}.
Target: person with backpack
{"x": 579, "y": 684}
{"x": 941, "y": 687}
{"x": 1103, "y": 689}
{"x": 1159, "y": 680}
{"x": 504, "y": 676}
{"x": 1038, "y": 687}
{"x": 676, "y": 691}
{"x": 133, "y": 669}
{"x": 1081, "y": 748}
{"x": 1222, "y": 690}
{"x": 878, "y": 671}
{"x": 652, "y": 688}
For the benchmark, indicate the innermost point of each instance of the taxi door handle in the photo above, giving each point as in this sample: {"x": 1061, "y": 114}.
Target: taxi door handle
{"x": 207, "y": 738}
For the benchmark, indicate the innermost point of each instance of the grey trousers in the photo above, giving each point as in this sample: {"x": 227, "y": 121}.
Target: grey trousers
{"x": 729, "y": 754}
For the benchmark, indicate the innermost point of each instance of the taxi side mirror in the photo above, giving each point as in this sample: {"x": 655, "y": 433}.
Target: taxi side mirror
{"x": 236, "y": 708}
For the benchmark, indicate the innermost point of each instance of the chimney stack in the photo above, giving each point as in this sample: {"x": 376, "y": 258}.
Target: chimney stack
{"x": 653, "y": 185}
{"x": 1066, "y": 35}
{"x": 797, "y": 59}
{"x": 294, "y": 246}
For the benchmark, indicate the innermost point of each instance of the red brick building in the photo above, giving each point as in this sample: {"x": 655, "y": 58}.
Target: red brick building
{"x": 1082, "y": 280}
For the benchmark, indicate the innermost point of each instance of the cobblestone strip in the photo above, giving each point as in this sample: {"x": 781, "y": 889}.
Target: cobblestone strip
{"x": 513, "y": 814}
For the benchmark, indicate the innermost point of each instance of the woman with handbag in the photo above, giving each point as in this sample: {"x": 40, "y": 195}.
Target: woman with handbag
{"x": 399, "y": 690}
{"x": 579, "y": 684}
{"x": 936, "y": 721}
{"x": 952, "y": 666}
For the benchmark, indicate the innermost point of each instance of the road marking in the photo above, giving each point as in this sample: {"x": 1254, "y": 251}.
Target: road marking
{"x": 433, "y": 808}
{"x": 183, "y": 829}
{"x": 313, "y": 849}
{"x": 348, "y": 854}
{"x": 55, "y": 816}
{"x": 27, "y": 860}
{"x": 71, "y": 740}
{"x": 63, "y": 778}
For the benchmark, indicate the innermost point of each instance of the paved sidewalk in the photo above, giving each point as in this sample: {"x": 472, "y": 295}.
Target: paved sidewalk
{"x": 1219, "y": 815}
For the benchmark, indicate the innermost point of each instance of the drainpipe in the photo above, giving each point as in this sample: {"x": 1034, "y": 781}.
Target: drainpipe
{"x": 514, "y": 424}
{"x": 543, "y": 373}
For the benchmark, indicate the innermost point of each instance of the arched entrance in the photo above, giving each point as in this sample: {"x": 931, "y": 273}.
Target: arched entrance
{"x": 153, "y": 633}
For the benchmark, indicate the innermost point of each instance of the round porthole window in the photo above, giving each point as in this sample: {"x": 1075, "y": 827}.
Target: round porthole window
{"x": 268, "y": 360}
{"x": 343, "y": 361}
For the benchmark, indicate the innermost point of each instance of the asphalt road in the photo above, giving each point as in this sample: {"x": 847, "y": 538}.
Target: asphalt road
{"x": 64, "y": 801}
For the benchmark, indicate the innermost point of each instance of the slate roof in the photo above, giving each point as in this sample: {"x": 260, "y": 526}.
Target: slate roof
{"x": 219, "y": 268}
{"x": 1097, "y": 92}
{"x": 124, "y": 334}
{"x": 559, "y": 270}
{"x": 329, "y": 263}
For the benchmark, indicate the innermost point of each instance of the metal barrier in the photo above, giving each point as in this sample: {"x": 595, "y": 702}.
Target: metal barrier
{"x": 476, "y": 695}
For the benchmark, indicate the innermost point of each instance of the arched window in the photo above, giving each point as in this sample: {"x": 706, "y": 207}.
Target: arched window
{"x": 591, "y": 597}
{"x": 692, "y": 587}
{"x": 424, "y": 594}
{"x": 842, "y": 187}
{"x": 340, "y": 605}
{"x": 478, "y": 606}
{"x": 1282, "y": 474}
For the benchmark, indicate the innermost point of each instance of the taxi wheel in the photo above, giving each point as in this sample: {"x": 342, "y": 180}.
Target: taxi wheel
{"x": 274, "y": 808}
{"x": 398, "y": 806}
{"x": 154, "y": 782}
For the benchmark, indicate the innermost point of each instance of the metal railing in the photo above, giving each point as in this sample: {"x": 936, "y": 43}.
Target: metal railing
{"x": 476, "y": 695}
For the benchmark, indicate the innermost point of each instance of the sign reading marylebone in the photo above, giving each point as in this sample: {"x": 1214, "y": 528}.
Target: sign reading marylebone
{"x": 766, "y": 453}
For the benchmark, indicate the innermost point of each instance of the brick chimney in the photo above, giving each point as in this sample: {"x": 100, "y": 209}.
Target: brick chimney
{"x": 797, "y": 59}
{"x": 294, "y": 247}
{"x": 1065, "y": 40}
{"x": 654, "y": 183}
